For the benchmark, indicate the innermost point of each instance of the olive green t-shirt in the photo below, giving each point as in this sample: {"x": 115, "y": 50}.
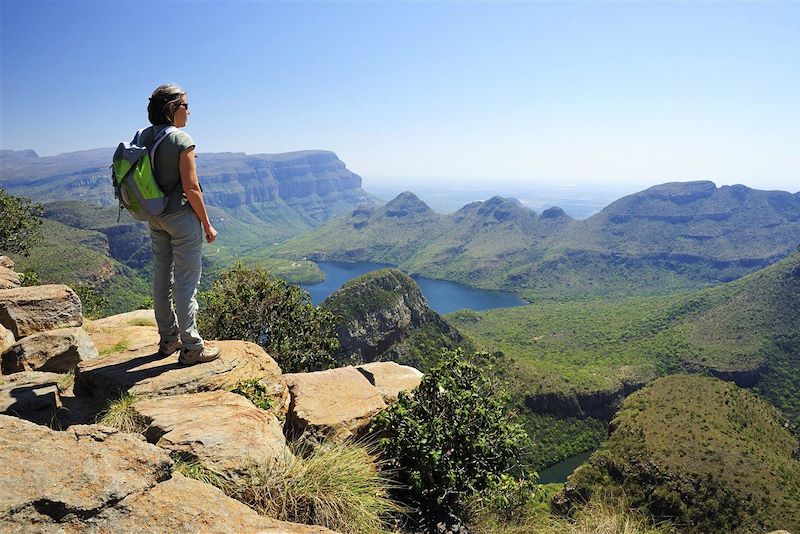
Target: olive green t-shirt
{"x": 166, "y": 167}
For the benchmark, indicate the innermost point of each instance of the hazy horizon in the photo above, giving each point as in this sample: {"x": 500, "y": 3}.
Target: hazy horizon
{"x": 525, "y": 93}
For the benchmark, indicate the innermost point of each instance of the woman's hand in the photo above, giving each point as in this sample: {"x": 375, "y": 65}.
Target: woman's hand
{"x": 211, "y": 234}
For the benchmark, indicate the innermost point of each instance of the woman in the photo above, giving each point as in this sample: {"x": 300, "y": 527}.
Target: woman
{"x": 177, "y": 234}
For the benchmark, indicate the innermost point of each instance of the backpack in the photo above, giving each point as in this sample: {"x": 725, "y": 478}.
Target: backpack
{"x": 134, "y": 179}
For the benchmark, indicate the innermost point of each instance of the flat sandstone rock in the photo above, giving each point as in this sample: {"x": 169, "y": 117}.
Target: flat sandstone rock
{"x": 29, "y": 310}
{"x": 8, "y": 278}
{"x": 31, "y": 395}
{"x": 391, "y": 378}
{"x": 146, "y": 374}
{"x": 223, "y": 430}
{"x": 335, "y": 404}
{"x": 52, "y": 475}
{"x": 55, "y": 351}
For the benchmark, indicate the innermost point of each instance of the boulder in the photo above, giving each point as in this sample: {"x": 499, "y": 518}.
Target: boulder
{"x": 29, "y": 310}
{"x": 6, "y": 262}
{"x": 223, "y": 430}
{"x": 391, "y": 378}
{"x": 30, "y": 395}
{"x": 183, "y": 505}
{"x": 335, "y": 404}
{"x": 50, "y": 476}
{"x": 147, "y": 374}
{"x": 55, "y": 351}
{"x": 8, "y": 278}
{"x": 6, "y": 338}
{"x": 127, "y": 331}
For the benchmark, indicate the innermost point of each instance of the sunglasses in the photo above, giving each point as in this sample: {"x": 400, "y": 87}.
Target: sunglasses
{"x": 185, "y": 105}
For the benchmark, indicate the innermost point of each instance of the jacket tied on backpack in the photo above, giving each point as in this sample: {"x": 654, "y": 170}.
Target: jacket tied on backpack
{"x": 135, "y": 184}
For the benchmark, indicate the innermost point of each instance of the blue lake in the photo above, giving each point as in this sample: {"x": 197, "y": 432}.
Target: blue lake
{"x": 442, "y": 296}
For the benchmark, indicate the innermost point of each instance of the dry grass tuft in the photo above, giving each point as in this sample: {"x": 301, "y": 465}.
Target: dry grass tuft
{"x": 336, "y": 486}
{"x": 119, "y": 413}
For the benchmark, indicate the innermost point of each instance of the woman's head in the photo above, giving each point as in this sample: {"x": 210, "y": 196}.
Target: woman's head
{"x": 164, "y": 103}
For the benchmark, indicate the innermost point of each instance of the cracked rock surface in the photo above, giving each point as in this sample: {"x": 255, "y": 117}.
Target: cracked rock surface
{"x": 57, "y": 476}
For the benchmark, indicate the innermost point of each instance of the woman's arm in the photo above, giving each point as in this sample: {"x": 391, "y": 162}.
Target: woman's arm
{"x": 191, "y": 187}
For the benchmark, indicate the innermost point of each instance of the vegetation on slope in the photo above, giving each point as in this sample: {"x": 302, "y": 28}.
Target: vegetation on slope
{"x": 703, "y": 453}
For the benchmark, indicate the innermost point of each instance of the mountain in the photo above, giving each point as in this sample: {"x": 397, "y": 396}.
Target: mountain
{"x": 670, "y": 237}
{"x": 701, "y": 453}
{"x": 254, "y": 199}
{"x": 384, "y": 316}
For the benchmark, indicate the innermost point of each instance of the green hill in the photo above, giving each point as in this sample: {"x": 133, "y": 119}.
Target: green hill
{"x": 573, "y": 362}
{"x": 700, "y": 452}
{"x": 670, "y": 237}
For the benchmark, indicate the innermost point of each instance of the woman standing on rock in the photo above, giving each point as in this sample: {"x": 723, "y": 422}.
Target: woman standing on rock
{"x": 177, "y": 234}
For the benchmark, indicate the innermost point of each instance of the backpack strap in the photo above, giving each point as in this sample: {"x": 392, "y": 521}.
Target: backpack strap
{"x": 157, "y": 141}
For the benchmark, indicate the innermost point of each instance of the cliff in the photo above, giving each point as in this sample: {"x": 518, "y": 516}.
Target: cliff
{"x": 384, "y": 316}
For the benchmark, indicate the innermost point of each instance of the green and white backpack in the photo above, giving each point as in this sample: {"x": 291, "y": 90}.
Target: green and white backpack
{"x": 134, "y": 179}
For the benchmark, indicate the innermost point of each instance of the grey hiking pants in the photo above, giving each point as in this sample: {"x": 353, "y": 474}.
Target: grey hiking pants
{"x": 177, "y": 242}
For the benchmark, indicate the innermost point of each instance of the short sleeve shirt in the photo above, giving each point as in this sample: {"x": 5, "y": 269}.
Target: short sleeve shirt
{"x": 166, "y": 166}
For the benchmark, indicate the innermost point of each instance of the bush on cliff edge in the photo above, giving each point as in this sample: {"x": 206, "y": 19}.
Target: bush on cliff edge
{"x": 452, "y": 438}
{"x": 253, "y": 305}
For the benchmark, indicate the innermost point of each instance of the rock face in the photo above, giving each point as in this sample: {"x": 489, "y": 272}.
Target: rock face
{"x": 55, "y": 351}
{"x": 8, "y": 278}
{"x": 6, "y": 262}
{"x": 96, "y": 480}
{"x": 380, "y": 310}
{"x": 184, "y": 505}
{"x": 146, "y": 374}
{"x": 390, "y": 378}
{"x": 6, "y": 338}
{"x": 29, "y": 310}
{"x": 334, "y": 404}
{"x": 53, "y": 476}
{"x": 223, "y": 430}
{"x": 30, "y": 395}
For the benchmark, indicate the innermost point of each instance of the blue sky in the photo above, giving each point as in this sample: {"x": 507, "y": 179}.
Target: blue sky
{"x": 526, "y": 93}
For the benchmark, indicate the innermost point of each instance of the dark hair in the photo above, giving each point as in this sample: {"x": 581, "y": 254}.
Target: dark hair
{"x": 163, "y": 103}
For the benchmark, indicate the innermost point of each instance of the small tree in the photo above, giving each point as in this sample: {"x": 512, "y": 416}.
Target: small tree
{"x": 19, "y": 223}
{"x": 452, "y": 437}
{"x": 253, "y": 305}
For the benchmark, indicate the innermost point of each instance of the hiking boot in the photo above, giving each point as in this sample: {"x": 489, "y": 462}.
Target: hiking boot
{"x": 191, "y": 357}
{"x": 165, "y": 348}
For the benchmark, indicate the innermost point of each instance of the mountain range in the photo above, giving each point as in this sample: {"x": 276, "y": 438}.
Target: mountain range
{"x": 252, "y": 198}
{"x": 669, "y": 237}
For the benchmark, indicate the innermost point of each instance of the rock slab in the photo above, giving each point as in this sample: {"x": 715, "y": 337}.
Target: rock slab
{"x": 147, "y": 374}
{"x": 223, "y": 430}
{"x": 334, "y": 404}
{"x": 8, "y": 278}
{"x": 6, "y": 338}
{"x": 183, "y": 505}
{"x": 391, "y": 378}
{"x": 55, "y": 351}
{"x": 124, "y": 332}
{"x": 56, "y": 476}
{"x": 32, "y": 396}
{"x": 30, "y": 310}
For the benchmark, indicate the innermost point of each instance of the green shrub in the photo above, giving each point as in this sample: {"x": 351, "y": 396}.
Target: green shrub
{"x": 453, "y": 437}
{"x": 254, "y": 391}
{"x": 336, "y": 486}
{"x": 251, "y": 304}
{"x": 20, "y": 220}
